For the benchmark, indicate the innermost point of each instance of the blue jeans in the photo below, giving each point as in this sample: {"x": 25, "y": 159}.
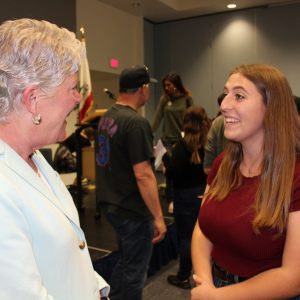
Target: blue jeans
{"x": 220, "y": 283}
{"x": 186, "y": 209}
{"x": 135, "y": 243}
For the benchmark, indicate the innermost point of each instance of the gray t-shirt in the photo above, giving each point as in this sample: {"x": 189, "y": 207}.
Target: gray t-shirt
{"x": 216, "y": 141}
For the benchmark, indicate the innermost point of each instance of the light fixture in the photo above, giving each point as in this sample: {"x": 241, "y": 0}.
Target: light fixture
{"x": 231, "y": 6}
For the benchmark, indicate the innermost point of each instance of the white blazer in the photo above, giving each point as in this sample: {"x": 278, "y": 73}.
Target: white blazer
{"x": 40, "y": 234}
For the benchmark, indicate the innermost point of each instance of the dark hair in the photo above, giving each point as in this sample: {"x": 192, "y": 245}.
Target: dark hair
{"x": 89, "y": 132}
{"x": 176, "y": 80}
{"x": 297, "y": 102}
{"x": 220, "y": 98}
{"x": 195, "y": 125}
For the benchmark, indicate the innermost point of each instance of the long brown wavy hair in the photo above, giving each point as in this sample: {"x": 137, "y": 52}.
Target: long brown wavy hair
{"x": 280, "y": 149}
{"x": 195, "y": 126}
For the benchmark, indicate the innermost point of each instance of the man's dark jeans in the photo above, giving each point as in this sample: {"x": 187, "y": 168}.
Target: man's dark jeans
{"x": 135, "y": 242}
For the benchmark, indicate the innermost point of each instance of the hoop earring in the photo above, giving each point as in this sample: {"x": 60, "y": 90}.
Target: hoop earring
{"x": 36, "y": 119}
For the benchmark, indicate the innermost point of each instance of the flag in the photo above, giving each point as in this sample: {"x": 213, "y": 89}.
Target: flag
{"x": 85, "y": 87}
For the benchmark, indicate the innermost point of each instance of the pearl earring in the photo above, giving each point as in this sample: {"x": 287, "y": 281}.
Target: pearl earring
{"x": 36, "y": 119}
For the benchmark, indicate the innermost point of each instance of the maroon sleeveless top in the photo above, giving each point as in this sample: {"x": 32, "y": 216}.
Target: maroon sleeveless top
{"x": 228, "y": 225}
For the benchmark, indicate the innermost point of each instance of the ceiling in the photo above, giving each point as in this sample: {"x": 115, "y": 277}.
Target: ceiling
{"x": 158, "y": 11}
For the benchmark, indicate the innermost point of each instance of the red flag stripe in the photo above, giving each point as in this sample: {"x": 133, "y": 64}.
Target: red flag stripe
{"x": 85, "y": 88}
{"x": 88, "y": 102}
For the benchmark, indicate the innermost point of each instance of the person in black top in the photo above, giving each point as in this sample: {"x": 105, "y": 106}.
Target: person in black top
{"x": 127, "y": 186}
{"x": 64, "y": 158}
{"x": 185, "y": 167}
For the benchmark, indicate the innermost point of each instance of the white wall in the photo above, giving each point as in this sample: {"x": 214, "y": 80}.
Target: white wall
{"x": 150, "y": 63}
{"x": 110, "y": 33}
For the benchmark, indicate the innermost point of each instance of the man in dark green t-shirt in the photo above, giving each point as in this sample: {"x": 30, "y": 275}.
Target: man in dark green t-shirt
{"x": 127, "y": 185}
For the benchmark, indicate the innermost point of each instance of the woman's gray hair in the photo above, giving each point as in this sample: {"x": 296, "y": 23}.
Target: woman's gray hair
{"x": 34, "y": 53}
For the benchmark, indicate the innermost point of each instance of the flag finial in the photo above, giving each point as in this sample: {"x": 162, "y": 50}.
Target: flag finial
{"x": 82, "y": 32}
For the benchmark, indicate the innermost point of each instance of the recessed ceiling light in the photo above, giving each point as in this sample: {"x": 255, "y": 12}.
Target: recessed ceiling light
{"x": 231, "y": 5}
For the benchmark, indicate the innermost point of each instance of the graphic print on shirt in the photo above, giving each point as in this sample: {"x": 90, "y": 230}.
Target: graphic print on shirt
{"x": 106, "y": 128}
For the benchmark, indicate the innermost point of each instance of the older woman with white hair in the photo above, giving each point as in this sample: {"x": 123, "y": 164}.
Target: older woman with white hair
{"x": 43, "y": 251}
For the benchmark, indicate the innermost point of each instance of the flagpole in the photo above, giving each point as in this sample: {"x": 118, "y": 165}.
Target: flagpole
{"x": 82, "y": 39}
{"x": 85, "y": 84}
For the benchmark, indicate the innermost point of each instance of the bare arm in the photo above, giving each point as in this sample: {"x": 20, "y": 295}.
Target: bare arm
{"x": 278, "y": 283}
{"x": 201, "y": 250}
{"x": 147, "y": 184}
{"x": 207, "y": 170}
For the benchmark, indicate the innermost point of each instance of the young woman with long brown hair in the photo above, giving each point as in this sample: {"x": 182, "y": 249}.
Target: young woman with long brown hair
{"x": 247, "y": 238}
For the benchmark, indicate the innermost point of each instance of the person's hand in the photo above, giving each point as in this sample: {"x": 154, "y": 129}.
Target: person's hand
{"x": 203, "y": 290}
{"x": 160, "y": 230}
{"x": 196, "y": 279}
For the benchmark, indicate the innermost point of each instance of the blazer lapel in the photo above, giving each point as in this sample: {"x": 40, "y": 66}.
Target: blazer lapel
{"x": 58, "y": 194}
{"x": 17, "y": 164}
{"x": 63, "y": 200}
